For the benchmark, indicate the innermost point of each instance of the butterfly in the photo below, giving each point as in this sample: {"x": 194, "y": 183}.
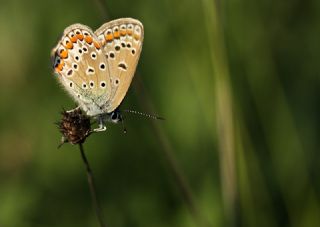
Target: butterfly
{"x": 96, "y": 68}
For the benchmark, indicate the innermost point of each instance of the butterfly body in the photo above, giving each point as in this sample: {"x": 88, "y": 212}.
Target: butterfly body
{"x": 96, "y": 68}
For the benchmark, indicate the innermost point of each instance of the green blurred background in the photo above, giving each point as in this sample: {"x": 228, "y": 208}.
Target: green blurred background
{"x": 238, "y": 84}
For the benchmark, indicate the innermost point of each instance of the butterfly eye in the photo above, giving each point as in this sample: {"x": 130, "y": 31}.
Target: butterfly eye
{"x": 115, "y": 116}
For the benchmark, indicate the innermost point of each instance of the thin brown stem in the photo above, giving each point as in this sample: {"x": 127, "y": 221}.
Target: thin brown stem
{"x": 92, "y": 187}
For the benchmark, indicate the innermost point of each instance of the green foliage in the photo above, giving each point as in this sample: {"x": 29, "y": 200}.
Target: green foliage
{"x": 237, "y": 83}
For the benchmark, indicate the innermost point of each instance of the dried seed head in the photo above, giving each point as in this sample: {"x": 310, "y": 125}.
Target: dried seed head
{"x": 74, "y": 126}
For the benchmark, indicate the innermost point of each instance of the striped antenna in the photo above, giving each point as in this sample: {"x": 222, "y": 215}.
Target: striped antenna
{"x": 144, "y": 114}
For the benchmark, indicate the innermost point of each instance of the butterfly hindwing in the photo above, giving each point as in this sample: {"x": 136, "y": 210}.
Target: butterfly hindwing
{"x": 97, "y": 68}
{"x": 121, "y": 43}
{"x": 82, "y": 68}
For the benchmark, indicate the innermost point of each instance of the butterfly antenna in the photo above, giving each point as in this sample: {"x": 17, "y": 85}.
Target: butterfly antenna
{"x": 144, "y": 114}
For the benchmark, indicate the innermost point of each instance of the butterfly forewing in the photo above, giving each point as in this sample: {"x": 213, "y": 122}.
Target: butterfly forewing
{"x": 122, "y": 42}
{"x": 82, "y": 68}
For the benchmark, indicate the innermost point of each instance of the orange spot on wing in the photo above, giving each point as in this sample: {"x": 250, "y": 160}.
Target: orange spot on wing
{"x": 129, "y": 32}
{"x": 73, "y": 39}
{"x": 109, "y": 37}
{"x": 96, "y": 44}
{"x": 136, "y": 36}
{"x": 59, "y": 67}
{"x": 63, "y": 53}
{"x": 79, "y": 36}
{"x": 123, "y": 32}
{"x": 116, "y": 34}
{"x": 89, "y": 39}
{"x": 69, "y": 45}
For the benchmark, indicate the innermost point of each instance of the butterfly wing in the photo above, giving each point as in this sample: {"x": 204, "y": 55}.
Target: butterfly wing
{"x": 122, "y": 43}
{"x": 81, "y": 66}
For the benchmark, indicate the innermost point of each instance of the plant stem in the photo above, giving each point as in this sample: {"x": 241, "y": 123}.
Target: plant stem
{"x": 224, "y": 109}
{"x": 92, "y": 187}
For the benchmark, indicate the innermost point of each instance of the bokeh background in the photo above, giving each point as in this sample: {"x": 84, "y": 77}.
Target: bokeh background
{"x": 238, "y": 84}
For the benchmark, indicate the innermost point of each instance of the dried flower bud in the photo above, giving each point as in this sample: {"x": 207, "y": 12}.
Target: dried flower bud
{"x": 74, "y": 126}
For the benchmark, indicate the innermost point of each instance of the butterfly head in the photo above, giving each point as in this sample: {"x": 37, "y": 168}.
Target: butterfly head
{"x": 115, "y": 116}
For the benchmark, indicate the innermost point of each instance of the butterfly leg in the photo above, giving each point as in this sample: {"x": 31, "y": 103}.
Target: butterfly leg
{"x": 102, "y": 126}
{"x": 69, "y": 111}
